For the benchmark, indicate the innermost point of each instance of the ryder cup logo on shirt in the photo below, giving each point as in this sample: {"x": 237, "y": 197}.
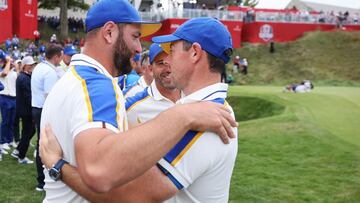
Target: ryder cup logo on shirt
{"x": 266, "y": 32}
{"x": 3, "y": 4}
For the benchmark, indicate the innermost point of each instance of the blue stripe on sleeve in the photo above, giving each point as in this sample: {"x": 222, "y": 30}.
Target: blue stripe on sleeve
{"x": 101, "y": 93}
{"x": 130, "y": 101}
{"x": 177, "y": 184}
{"x": 176, "y": 150}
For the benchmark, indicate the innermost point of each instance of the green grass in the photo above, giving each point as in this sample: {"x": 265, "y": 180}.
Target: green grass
{"x": 310, "y": 153}
{"x": 328, "y": 58}
{"x": 18, "y": 182}
{"x": 292, "y": 148}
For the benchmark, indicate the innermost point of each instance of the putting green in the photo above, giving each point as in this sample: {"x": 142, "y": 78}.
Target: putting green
{"x": 334, "y": 109}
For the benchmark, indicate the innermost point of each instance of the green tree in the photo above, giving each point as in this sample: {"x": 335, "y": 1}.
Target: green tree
{"x": 64, "y": 5}
{"x": 250, "y": 3}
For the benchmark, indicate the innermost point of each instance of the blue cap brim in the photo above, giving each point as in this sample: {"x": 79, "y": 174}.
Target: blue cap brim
{"x": 70, "y": 52}
{"x": 154, "y": 55}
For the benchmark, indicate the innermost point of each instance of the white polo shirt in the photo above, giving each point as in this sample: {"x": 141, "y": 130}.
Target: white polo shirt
{"x": 146, "y": 105}
{"x": 87, "y": 96}
{"x": 9, "y": 82}
{"x": 43, "y": 78}
{"x": 138, "y": 87}
{"x": 201, "y": 165}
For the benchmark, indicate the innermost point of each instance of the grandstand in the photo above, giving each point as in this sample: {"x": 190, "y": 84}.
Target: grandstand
{"x": 254, "y": 25}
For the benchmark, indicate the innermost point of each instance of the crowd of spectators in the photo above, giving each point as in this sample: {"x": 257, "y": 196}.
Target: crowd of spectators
{"x": 340, "y": 18}
{"x": 75, "y": 24}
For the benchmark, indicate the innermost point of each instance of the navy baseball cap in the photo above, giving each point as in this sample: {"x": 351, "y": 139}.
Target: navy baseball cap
{"x": 70, "y": 50}
{"x": 209, "y": 32}
{"x": 118, "y": 11}
{"x": 155, "y": 49}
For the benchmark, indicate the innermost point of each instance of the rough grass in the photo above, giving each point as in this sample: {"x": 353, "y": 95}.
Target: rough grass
{"x": 328, "y": 58}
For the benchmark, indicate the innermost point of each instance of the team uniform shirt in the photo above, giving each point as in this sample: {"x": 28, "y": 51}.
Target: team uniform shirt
{"x": 200, "y": 164}
{"x": 43, "y": 78}
{"x": 134, "y": 89}
{"x": 9, "y": 82}
{"x": 91, "y": 99}
{"x": 146, "y": 105}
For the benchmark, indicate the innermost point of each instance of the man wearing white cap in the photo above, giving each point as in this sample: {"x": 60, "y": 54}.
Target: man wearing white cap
{"x": 24, "y": 109}
{"x": 89, "y": 116}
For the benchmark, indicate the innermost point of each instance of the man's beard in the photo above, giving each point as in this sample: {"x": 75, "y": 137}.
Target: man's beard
{"x": 122, "y": 55}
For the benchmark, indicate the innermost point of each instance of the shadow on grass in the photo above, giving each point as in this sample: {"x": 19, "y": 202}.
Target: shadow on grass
{"x": 248, "y": 108}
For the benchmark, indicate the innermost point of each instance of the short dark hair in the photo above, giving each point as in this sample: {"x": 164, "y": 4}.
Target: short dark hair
{"x": 216, "y": 64}
{"x": 145, "y": 58}
{"x": 52, "y": 50}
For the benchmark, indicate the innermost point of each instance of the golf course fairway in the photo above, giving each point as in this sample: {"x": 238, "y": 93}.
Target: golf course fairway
{"x": 308, "y": 151}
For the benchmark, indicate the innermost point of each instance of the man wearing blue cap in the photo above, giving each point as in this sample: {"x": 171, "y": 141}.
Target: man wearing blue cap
{"x": 89, "y": 116}
{"x": 199, "y": 50}
{"x": 146, "y": 76}
{"x": 69, "y": 51}
{"x": 159, "y": 96}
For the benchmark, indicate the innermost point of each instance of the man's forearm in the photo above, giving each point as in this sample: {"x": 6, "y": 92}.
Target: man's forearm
{"x": 151, "y": 187}
{"x": 116, "y": 160}
{"x": 71, "y": 177}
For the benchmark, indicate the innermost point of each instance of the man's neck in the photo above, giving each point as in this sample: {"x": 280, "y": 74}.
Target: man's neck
{"x": 201, "y": 81}
{"x": 102, "y": 57}
{"x": 51, "y": 61}
{"x": 171, "y": 94}
{"x": 148, "y": 79}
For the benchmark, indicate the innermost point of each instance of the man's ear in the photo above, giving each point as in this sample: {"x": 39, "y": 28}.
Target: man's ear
{"x": 196, "y": 52}
{"x": 110, "y": 32}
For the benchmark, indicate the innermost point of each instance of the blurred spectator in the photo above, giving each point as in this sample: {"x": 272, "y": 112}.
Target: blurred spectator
{"x": 36, "y": 37}
{"x": 244, "y": 66}
{"x": 43, "y": 78}
{"x": 236, "y": 64}
{"x": 304, "y": 86}
{"x": 53, "y": 38}
{"x": 8, "y": 77}
{"x": 8, "y": 44}
{"x": 15, "y": 41}
{"x": 23, "y": 110}
{"x": 69, "y": 51}
{"x": 16, "y": 53}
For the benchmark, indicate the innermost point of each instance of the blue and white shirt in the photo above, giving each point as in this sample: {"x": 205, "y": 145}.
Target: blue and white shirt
{"x": 132, "y": 90}
{"x": 86, "y": 97}
{"x": 200, "y": 165}
{"x": 146, "y": 105}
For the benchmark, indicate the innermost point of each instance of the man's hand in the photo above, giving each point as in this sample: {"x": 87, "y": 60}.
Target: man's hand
{"x": 50, "y": 149}
{"x": 210, "y": 116}
{"x": 8, "y": 59}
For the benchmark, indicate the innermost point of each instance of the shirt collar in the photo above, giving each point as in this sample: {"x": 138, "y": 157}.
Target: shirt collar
{"x": 142, "y": 82}
{"x": 84, "y": 60}
{"x": 155, "y": 93}
{"x": 49, "y": 64}
{"x": 215, "y": 91}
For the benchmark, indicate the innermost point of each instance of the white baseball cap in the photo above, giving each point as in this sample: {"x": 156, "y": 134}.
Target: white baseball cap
{"x": 27, "y": 60}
